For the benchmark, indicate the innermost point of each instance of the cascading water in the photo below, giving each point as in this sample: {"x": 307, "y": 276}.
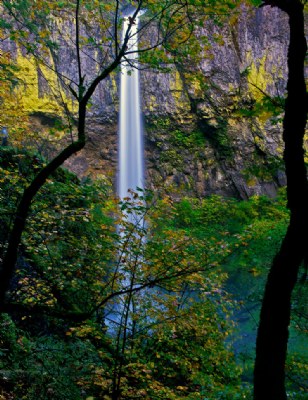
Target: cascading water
{"x": 131, "y": 169}
{"x": 130, "y": 173}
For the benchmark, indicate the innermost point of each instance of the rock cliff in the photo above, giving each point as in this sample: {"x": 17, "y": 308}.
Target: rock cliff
{"x": 208, "y": 127}
{"x": 205, "y": 112}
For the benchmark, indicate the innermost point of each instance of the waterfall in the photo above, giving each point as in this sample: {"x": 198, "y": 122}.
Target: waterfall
{"x": 131, "y": 169}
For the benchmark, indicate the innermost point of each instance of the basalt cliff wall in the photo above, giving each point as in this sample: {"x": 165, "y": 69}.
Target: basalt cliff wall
{"x": 208, "y": 126}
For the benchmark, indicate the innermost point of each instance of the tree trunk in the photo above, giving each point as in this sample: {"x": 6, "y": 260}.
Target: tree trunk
{"x": 272, "y": 338}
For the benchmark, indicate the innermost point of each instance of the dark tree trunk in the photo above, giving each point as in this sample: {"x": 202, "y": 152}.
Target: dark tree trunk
{"x": 272, "y": 339}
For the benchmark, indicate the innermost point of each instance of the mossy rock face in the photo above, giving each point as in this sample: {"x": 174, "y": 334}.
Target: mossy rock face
{"x": 204, "y": 120}
{"x": 211, "y": 157}
{"x": 228, "y": 137}
{"x": 239, "y": 125}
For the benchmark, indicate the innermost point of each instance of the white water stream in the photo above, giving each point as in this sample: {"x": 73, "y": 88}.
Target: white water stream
{"x": 131, "y": 159}
{"x": 130, "y": 164}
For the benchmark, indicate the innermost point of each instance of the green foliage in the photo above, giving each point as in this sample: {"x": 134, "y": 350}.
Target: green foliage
{"x": 171, "y": 139}
{"x": 8, "y": 342}
{"x": 99, "y": 310}
{"x": 265, "y": 169}
{"x": 171, "y": 133}
{"x": 45, "y": 366}
{"x": 104, "y": 311}
{"x": 296, "y": 371}
{"x": 128, "y": 294}
{"x": 187, "y": 139}
{"x": 227, "y": 213}
{"x": 248, "y": 231}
